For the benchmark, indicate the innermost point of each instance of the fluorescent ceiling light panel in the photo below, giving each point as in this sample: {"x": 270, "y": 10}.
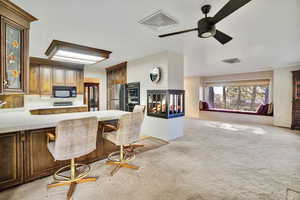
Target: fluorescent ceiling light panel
{"x": 74, "y": 53}
{"x": 81, "y": 56}
{"x": 73, "y": 60}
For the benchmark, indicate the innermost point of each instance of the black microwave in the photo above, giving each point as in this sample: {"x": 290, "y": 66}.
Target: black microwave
{"x": 64, "y": 91}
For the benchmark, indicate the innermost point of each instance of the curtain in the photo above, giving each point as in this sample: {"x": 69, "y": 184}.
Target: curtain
{"x": 211, "y": 97}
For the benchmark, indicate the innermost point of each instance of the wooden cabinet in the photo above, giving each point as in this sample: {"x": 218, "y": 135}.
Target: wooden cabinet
{"x": 116, "y": 74}
{"x": 39, "y": 161}
{"x": 296, "y": 101}
{"x": 14, "y": 48}
{"x": 45, "y": 80}
{"x": 71, "y": 77}
{"x": 24, "y": 156}
{"x": 79, "y": 82}
{"x": 11, "y": 159}
{"x": 59, "y": 110}
{"x": 44, "y": 74}
{"x": 34, "y": 78}
{"x": 59, "y": 76}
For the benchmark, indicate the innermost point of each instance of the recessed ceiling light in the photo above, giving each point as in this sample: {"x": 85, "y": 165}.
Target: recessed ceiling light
{"x": 69, "y": 52}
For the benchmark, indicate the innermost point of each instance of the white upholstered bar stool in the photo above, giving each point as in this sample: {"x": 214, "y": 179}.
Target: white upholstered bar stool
{"x": 139, "y": 108}
{"x": 126, "y": 133}
{"x": 73, "y": 138}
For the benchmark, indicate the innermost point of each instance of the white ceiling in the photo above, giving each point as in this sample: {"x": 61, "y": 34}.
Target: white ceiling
{"x": 266, "y": 32}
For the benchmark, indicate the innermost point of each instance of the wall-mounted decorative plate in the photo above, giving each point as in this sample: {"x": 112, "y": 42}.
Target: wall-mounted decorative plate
{"x": 155, "y": 74}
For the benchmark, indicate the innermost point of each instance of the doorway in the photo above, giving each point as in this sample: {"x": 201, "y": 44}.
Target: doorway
{"x": 91, "y": 96}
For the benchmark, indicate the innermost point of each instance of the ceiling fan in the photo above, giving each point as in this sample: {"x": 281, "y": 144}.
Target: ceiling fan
{"x": 207, "y": 25}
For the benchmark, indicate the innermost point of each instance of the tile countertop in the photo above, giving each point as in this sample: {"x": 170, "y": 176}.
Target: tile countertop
{"x": 23, "y": 120}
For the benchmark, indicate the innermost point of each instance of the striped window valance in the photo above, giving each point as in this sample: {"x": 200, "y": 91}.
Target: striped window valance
{"x": 237, "y": 83}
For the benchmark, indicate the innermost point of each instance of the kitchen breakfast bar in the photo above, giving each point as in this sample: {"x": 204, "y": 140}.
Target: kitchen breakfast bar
{"x": 23, "y": 144}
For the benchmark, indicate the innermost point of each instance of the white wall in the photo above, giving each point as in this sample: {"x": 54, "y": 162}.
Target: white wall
{"x": 100, "y": 74}
{"x": 193, "y": 88}
{"x": 175, "y": 71}
{"x": 171, "y": 65}
{"x": 283, "y": 95}
{"x": 138, "y": 71}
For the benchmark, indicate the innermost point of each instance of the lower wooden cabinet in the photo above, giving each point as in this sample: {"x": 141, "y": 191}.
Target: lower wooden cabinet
{"x": 11, "y": 159}
{"x": 38, "y": 160}
{"x": 24, "y": 156}
{"x": 59, "y": 110}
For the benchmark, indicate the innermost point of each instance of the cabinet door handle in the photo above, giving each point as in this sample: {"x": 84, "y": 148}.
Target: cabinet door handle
{"x": 23, "y": 136}
{"x": 5, "y": 82}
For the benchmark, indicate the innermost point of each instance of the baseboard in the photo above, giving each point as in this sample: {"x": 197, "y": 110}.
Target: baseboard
{"x": 282, "y": 124}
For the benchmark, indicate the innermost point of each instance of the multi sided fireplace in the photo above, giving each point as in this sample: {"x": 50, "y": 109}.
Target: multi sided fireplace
{"x": 165, "y": 103}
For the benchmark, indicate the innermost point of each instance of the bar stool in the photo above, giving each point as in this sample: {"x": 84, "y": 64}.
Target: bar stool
{"x": 126, "y": 133}
{"x": 139, "y": 108}
{"x": 73, "y": 138}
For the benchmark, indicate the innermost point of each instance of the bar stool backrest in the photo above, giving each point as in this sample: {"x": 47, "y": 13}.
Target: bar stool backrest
{"x": 139, "y": 108}
{"x": 75, "y": 138}
{"x": 129, "y": 128}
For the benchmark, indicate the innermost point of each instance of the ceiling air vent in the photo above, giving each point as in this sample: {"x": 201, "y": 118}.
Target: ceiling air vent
{"x": 158, "y": 20}
{"x": 232, "y": 60}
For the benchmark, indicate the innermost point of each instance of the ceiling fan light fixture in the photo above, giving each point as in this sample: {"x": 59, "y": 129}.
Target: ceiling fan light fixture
{"x": 206, "y": 28}
{"x": 206, "y": 34}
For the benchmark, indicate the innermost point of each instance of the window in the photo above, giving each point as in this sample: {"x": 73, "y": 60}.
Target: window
{"x": 238, "y": 97}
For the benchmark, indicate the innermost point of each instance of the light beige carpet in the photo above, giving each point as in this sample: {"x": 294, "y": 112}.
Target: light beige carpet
{"x": 213, "y": 161}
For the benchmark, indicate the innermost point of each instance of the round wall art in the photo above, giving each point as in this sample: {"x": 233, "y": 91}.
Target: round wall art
{"x": 155, "y": 74}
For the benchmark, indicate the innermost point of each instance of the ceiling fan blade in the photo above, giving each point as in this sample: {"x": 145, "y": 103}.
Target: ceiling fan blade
{"x": 229, "y": 8}
{"x": 179, "y": 32}
{"x": 222, "y": 37}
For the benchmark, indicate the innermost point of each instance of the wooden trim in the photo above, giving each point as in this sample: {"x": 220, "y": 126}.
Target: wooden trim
{"x": 91, "y": 80}
{"x": 16, "y": 9}
{"x": 44, "y": 61}
{"x": 115, "y": 67}
{"x": 17, "y": 14}
{"x": 56, "y": 44}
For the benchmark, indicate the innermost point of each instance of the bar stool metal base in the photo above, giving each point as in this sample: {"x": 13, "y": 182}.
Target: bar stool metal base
{"x": 73, "y": 179}
{"x": 121, "y": 162}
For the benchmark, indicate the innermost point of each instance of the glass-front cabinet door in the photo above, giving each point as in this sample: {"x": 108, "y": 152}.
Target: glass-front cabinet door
{"x": 13, "y": 56}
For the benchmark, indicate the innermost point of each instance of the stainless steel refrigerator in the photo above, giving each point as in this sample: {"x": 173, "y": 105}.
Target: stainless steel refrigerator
{"x": 117, "y": 97}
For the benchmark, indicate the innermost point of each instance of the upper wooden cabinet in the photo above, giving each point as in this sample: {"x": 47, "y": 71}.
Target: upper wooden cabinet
{"x": 34, "y": 76}
{"x": 45, "y": 80}
{"x": 44, "y": 74}
{"x": 71, "y": 78}
{"x": 15, "y": 24}
{"x": 59, "y": 76}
